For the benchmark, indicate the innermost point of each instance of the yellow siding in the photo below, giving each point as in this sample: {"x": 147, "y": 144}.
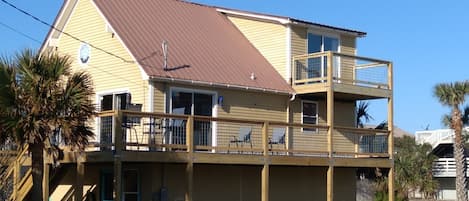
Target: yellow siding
{"x": 108, "y": 72}
{"x": 268, "y": 38}
{"x": 159, "y": 97}
{"x": 347, "y": 46}
{"x": 298, "y": 40}
{"x": 344, "y": 116}
{"x": 307, "y": 140}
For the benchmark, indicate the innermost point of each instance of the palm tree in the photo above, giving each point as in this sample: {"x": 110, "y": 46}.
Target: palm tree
{"x": 453, "y": 95}
{"x": 413, "y": 167}
{"x": 41, "y": 98}
{"x": 362, "y": 114}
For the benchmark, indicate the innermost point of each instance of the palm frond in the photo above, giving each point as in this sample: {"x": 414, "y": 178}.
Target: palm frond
{"x": 451, "y": 94}
{"x": 362, "y": 113}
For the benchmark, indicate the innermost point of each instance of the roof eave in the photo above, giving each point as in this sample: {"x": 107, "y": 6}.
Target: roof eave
{"x": 221, "y": 85}
{"x": 328, "y": 28}
{"x": 287, "y": 20}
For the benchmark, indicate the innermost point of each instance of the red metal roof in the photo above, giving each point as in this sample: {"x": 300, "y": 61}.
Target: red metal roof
{"x": 203, "y": 45}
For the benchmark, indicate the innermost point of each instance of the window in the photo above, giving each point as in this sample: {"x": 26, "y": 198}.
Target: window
{"x": 317, "y": 67}
{"x": 309, "y": 115}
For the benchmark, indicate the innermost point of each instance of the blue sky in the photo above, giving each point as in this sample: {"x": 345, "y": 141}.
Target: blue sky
{"x": 426, "y": 40}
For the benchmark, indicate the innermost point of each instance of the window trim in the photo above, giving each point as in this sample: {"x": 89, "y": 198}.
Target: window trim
{"x": 302, "y": 115}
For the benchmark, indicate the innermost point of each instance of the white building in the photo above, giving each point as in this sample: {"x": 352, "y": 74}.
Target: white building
{"x": 444, "y": 168}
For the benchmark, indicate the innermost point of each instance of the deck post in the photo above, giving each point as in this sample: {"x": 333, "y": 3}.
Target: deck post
{"x": 190, "y": 162}
{"x": 118, "y": 146}
{"x": 80, "y": 174}
{"x": 330, "y": 123}
{"x": 391, "y": 134}
{"x": 16, "y": 177}
{"x": 265, "y": 169}
{"x": 330, "y": 182}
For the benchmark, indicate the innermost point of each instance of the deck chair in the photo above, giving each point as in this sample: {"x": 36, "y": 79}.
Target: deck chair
{"x": 278, "y": 137}
{"x": 243, "y": 137}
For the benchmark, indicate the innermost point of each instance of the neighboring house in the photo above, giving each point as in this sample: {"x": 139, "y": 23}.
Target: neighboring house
{"x": 444, "y": 168}
{"x": 270, "y": 104}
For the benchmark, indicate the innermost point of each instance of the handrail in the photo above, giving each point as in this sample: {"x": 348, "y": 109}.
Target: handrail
{"x": 342, "y": 68}
{"x": 220, "y": 119}
{"x": 362, "y": 130}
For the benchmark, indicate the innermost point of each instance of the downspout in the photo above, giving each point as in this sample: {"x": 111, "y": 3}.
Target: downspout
{"x": 293, "y": 97}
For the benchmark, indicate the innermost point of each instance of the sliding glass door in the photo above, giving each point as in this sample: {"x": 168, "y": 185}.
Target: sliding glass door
{"x": 317, "y": 67}
{"x": 191, "y": 103}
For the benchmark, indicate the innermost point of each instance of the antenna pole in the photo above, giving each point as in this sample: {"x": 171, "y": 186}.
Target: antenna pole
{"x": 164, "y": 46}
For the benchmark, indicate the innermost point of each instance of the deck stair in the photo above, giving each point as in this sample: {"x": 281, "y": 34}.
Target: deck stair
{"x": 16, "y": 180}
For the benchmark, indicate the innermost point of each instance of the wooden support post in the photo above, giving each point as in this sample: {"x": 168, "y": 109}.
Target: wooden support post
{"x": 330, "y": 183}
{"x": 118, "y": 146}
{"x": 190, "y": 134}
{"x": 79, "y": 180}
{"x": 16, "y": 177}
{"x": 190, "y": 162}
{"x": 391, "y": 184}
{"x": 330, "y": 123}
{"x": 190, "y": 181}
{"x": 118, "y": 133}
{"x": 391, "y": 134}
{"x": 265, "y": 182}
{"x": 45, "y": 178}
{"x": 117, "y": 178}
{"x": 265, "y": 139}
{"x": 265, "y": 169}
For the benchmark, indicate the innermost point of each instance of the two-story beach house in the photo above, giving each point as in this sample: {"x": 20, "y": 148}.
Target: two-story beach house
{"x": 444, "y": 168}
{"x": 206, "y": 103}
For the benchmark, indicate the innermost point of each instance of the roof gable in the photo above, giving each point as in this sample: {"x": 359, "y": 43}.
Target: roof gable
{"x": 203, "y": 45}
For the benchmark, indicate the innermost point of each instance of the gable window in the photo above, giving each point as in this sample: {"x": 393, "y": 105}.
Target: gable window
{"x": 309, "y": 115}
{"x": 317, "y": 67}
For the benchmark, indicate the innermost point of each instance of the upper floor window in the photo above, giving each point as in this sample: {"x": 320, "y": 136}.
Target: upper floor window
{"x": 321, "y": 43}
{"x": 309, "y": 114}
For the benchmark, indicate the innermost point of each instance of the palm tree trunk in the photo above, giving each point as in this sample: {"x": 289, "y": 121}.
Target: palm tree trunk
{"x": 460, "y": 159}
{"x": 37, "y": 163}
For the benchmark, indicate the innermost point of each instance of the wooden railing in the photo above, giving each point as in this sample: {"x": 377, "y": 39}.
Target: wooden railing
{"x": 143, "y": 131}
{"x": 16, "y": 181}
{"x": 346, "y": 69}
{"x": 446, "y": 167}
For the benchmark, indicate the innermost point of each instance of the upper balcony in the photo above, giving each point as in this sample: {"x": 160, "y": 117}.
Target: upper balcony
{"x": 351, "y": 77}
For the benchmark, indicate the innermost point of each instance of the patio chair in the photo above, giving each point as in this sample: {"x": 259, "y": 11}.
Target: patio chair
{"x": 243, "y": 137}
{"x": 278, "y": 137}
